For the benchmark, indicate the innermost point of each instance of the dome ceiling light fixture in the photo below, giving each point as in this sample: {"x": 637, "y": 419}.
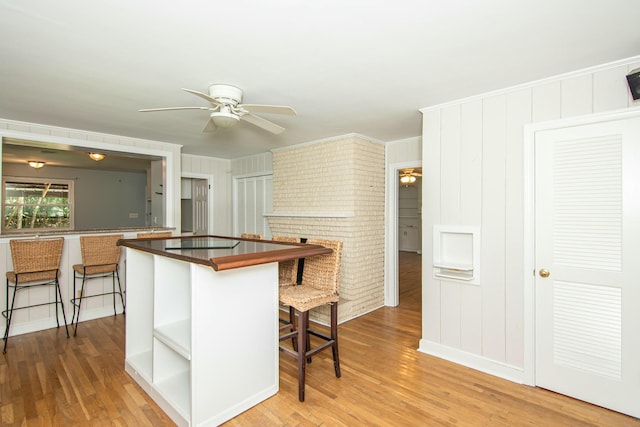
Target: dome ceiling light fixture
{"x": 96, "y": 156}
{"x": 36, "y": 164}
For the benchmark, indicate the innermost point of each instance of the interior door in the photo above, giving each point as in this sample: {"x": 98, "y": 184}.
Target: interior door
{"x": 587, "y": 239}
{"x": 200, "y": 200}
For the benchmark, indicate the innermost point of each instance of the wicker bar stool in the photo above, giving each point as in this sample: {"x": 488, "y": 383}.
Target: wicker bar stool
{"x": 36, "y": 262}
{"x": 320, "y": 286}
{"x": 152, "y": 235}
{"x": 100, "y": 258}
{"x": 287, "y": 276}
{"x": 251, "y": 236}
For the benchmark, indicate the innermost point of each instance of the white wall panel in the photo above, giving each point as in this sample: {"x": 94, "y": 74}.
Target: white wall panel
{"x": 450, "y": 295}
{"x": 471, "y": 215}
{"x": 545, "y": 104}
{"x": 471, "y": 319}
{"x": 577, "y": 96}
{"x": 610, "y": 92}
{"x": 404, "y": 150}
{"x": 518, "y": 114}
{"x": 431, "y": 310}
{"x": 450, "y": 164}
{"x": 493, "y": 227}
{"x": 471, "y": 163}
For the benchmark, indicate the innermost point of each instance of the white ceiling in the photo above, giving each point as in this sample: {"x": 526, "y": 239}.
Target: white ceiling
{"x": 357, "y": 66}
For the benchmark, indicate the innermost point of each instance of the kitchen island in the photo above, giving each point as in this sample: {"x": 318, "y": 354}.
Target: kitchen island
{"x": 202, "y": 322}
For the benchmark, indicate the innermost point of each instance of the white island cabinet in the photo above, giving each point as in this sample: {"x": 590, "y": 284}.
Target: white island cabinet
{"x": 204, "y": 343}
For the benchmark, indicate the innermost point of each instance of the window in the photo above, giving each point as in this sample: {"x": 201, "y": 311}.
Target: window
{"x": 31, "y": 203}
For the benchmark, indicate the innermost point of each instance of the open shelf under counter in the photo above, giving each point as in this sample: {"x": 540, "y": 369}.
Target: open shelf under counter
{"x": 185, "y": 313}
{"x": 176, "y": 390}
{"x": 177, "y": 336}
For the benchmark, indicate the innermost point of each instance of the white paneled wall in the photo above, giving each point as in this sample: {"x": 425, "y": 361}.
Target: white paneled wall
{"x": 473, "y": 166}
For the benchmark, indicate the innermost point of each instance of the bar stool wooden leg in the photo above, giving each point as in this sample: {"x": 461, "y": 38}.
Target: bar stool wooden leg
{"x": 334, "y": 338}
{"x": 303, "y": 336}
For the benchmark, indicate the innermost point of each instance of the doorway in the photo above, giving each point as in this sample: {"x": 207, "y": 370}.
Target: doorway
{"x": 195, "y": 206}
{"x": 392, "y": 244}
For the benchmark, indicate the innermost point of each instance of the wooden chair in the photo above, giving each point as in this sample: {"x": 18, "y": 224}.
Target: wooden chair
{"x": 100, "y": 258}
{"x": 152, "y": 235}
{"x": 36, "y": 262}
{"x": 320, "y": 286}
{"x": 252, "y": 236}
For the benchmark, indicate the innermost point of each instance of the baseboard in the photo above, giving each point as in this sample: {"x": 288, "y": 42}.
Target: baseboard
{"x": 473, "y": 361}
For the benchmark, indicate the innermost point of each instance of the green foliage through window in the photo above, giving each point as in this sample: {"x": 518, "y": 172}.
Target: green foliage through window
{"x": 29, "y": 205}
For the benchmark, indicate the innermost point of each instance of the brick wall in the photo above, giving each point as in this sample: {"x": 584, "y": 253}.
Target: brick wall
{"x": 335, "y": 190}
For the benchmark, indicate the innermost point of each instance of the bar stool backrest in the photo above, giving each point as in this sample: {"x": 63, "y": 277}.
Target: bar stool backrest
{"x": 36, "y": 256}
{"x": 252, "y": 236}
{"x": 100, "y": 250}
{"x": 287, "y": 270}
{"x": 322, "y": 272}
{"x": 163, "y": 234}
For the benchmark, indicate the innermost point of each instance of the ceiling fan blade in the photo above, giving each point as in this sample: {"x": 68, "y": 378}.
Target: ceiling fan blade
{"x": 210, "y": 126}
{"x": 263, "y": 123}
{"x": 273, "y": 109}
{"x": 202, "y": 95}
{"x": 146, "y": 110}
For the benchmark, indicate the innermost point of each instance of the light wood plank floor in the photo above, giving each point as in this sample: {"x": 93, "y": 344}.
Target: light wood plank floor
{"x": 47, "y": 379}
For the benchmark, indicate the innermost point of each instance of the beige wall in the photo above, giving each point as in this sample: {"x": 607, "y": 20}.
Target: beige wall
{"x": 335, "y": 190}
{"x": 474, "y": 169}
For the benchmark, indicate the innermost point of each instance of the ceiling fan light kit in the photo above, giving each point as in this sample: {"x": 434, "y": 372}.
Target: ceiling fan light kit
{"x": 224, "y": 119}
{"x": 227, "y": 109}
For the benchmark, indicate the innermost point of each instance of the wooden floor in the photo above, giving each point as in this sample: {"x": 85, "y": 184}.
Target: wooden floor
{"x": 47, "y": 379}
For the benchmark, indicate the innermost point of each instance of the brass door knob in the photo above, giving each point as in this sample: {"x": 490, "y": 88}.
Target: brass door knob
{"x": 544, "y": 273}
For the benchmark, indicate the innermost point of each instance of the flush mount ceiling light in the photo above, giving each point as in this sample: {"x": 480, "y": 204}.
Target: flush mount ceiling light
{"x": 36, "y": 164}
{"x": 224, "y": 118}
{"x": 96, "y": 156}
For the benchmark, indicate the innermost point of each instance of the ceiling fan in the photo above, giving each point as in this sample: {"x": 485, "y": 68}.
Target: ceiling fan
{"x": 408, "y": 176}
{"x": 227, "y": 109}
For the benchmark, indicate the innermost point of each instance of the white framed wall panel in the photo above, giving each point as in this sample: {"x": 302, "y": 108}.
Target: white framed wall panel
{"x": 431, "y": 304}
{"x": 450, "y": 163}
{"x": 493, "y": 227}
{"x": 577, "y": 95}
{"x": 518, "y": 114}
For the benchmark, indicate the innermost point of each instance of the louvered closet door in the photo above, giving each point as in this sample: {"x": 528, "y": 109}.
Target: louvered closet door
{"x": 588, "y": 239}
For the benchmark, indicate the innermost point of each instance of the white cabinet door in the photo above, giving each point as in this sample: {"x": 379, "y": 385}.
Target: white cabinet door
{"x": 587, "y": 238}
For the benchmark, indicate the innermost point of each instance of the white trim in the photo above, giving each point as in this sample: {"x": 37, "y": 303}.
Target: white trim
{"x": 471, "y": 360}
{"x": 210, "y": 195}
{"x": 391, "y": 288}
{"x": 529, "y": 220}
{"x": 329, "y": 139}
{"x": 552, "y": 79}
{"x": 310, "y": 214}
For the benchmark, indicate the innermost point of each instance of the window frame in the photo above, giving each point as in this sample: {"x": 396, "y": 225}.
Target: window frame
{"x": 36, "y": 180}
